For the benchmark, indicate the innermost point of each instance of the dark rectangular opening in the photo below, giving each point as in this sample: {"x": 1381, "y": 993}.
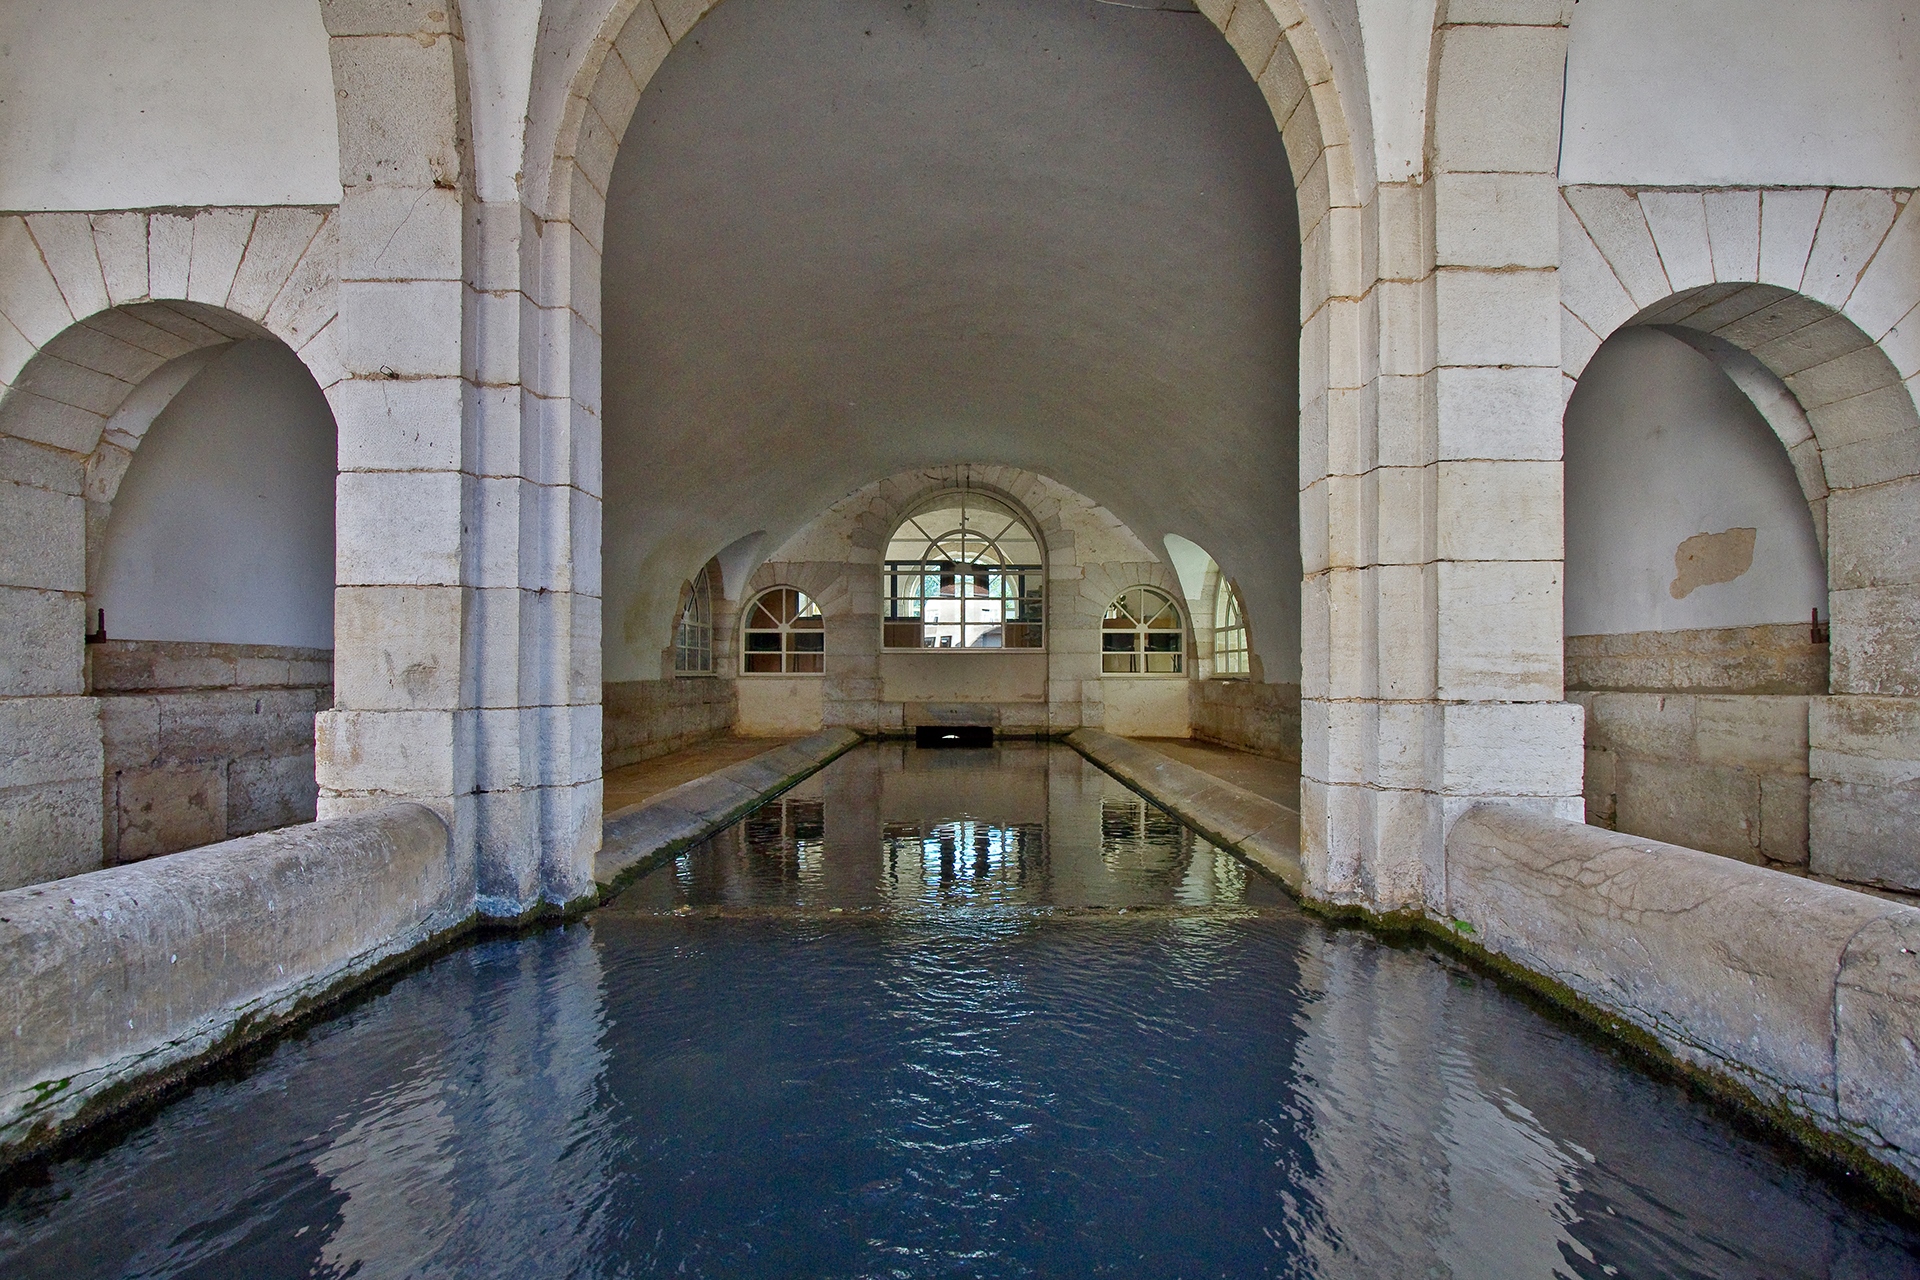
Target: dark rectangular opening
{"x": 953, "y": 735}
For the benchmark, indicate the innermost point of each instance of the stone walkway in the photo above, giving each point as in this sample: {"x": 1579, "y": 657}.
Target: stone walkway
{"x": 634, "y": 784}
{"x": 1277, "y": 780}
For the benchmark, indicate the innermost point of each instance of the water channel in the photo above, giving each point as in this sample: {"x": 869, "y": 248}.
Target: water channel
{"x": 963, "y": 1013}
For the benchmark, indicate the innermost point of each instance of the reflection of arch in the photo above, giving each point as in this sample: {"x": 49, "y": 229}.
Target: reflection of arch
{"x": 1811, "y": 287}
{"x": 783, "y": 634}
{"x": 1143, "y": 633}
{"x": 963, "y": 570}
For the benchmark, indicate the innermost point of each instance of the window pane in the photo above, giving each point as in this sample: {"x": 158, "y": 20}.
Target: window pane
{"x": 1117, "y": 664}
{"x": 806, "y": 663}
{"x": 902, "y": 635}
{"x": 763, "y": 662}
{"x": 763, "y": 641}
{"x": 1122, "y": 642}
{"x": 806, "y": 642}
{"x": 1163, "y": 664}
{"x": 1163, "y": 641}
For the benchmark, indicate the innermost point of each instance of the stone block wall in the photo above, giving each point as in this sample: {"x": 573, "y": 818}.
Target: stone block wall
{"x": 648, "y": 718}
{"x": 1249, "y": 714}
{"x": 204, "y": 742}
{"x": 1699, "y": 738}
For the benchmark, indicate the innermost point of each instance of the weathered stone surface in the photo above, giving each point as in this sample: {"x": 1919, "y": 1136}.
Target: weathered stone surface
{"x": 635, "y": 838}
{"x": 167, "y": 808}
{"x": 1733, "y": 968}
{"x": 1263, "y": 831}
{"x": 1864, "y": 833}
{"x": 1877, "y": 1034}
{"x": 642, "y": 719}
{"x": 123, "y": 977}
{"x": 1251, "y": 715}
{"x": 49, "y": 830}
{"x": 1779, "y": 659}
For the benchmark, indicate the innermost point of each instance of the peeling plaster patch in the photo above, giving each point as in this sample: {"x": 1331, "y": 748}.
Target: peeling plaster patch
{"x": 1707, "y": 558}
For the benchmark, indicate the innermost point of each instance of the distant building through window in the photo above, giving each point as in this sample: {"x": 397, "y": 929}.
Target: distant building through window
{"x": 785, "y": 635}
{"x": 1229, "y": 633}
{"x": 964, "y": 572}
{"x": 1142, "y": 635}
{"x": 693, "y": 638}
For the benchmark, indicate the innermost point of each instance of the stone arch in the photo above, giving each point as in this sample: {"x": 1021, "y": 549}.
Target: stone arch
{"x": 94, "y": 306}
{"x": 1818, "y": 289}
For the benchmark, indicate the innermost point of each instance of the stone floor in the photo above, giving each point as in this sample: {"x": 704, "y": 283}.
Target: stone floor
{"x": 632, "y": 784}
{"x": 1277, "y": 780}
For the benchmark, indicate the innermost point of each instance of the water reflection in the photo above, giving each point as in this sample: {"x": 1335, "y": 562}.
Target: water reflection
{"x": 958, "y": 1075}
{"x": 894, "y": 828}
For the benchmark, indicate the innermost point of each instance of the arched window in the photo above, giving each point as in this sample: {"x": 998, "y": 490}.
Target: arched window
{"x": 1229, "y": 633}
{"x": 693, "y": 638}
{"x": 964, "y": 572}
{"x": 785, "y": 634}
{"x": 1142, "y": 635}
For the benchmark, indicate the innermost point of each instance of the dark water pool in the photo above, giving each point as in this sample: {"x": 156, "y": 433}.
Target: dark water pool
{"x": 979, "y": 1065}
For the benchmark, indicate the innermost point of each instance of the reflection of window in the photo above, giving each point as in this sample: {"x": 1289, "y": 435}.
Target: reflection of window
{"x": 1142, "y": 635}
{"x": 1229, "y": 633}
{"x": 693, "y": 638}
{"x": 963, "y": 573}
{"x": 785, "y": 633}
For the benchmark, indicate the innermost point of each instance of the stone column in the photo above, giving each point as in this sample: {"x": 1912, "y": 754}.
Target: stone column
{"x": 1481, "y": 514}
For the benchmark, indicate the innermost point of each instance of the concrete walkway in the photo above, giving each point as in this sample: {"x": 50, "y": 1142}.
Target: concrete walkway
{"x": 1277, "y": 780}
{"x": 633, "y": 784}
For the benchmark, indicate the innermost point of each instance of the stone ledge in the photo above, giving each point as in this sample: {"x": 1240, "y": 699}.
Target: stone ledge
{"x": 1262, "y": 831}
{"x": 117, "y": 982}
{"x": 1799, "y": 994}
{"x": 639, "y": 838}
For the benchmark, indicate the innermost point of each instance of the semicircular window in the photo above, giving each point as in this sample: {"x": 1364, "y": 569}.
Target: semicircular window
{"x": 1229, "y": 633}
{"x": 963, "y": 572}
{"x": 785, "y": 634}
{"x": 1142, "y": 635}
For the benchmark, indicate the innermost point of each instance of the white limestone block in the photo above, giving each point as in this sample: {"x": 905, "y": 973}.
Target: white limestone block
{"x": 120, "y": 243}
{"x": 641, "y": 47}
{"x": 1348, "y": 250}
{"x": 1577, "y": 345}
{"x": 1857, "y": 373}
{"x": 1678, "y": 220}
{"x": 1809, "y": 346}
{"x": 1350, "y": 521}
{"x": 1496, "y": 220}
{"x": 169, "y": 254}
{"x": 29, "y": 296}
{"x": 1733, "y": 231}
{"x": 1406, "y": 420}
{"x": 384, "y": 753}
{"x": 1499, "y": 510}
{"x": 398, "y": 648}
{"x": 1513, "y": 749}
{"x": 43, "y": 655}
{"x": 583, "y": 360}
{"x": 1873, "y": 536}
{"x": 1352, "y": 430}
{"x": 219, "y": 241}
{"x": 1406, "y": 652}
{"x": 1618, "y": 228}
{"x": 49, "y": 422}
{"x": 1315, "y": 635}
{"x": 1902, "y": 345}
{"x": 1788, "y": 221}
{"x": 1538, "y": 13}
{"x": 1283, "y": 86}
{"x": 44, "y": 740}
{"x": 280, "y": 238}
{"x": 585, "y": 452}
{"x": 585, "y": 513}
{"x": 388, "y": 424}
{"x": 66, "y": 242}
{"x": 1306, "y": 151}
{"x": 1406, "y": 218}
{"x": 310, "y": 297}
{"x": 1407, "y": 324}
{"x": 1403, "y": 516}
{"x": 1889, "y": 288}
{"x": 491, "y": 337}
{"x": 1497, "y": 318}
{"x": 1588, "y": 286}
{"x": 1350, "y": 615}
{"x": 1500, "y": 632}
{"x": 500, "y": 757}
{"x": 1254, "y": 34}
{"x": 1851, "y": 229}
{"x": 408, "y": 328}
{"x": 398, "y": 528}
{"x": 400, "y": 233}
{"x": 321, "y": 355}
{"x": 1865, "y": 740}
{"x": 404, "y": 130}
{"x": 616, "y": 90}
{"x": 1497, "y": 99}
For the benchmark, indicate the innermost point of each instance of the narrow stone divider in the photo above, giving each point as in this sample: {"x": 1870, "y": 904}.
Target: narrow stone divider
{"x": 635, "y": 840}
{"x": 1264, "y": 832}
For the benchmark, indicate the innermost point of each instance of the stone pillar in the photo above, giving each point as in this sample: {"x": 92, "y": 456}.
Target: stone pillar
{"x": 1471, "y": 530}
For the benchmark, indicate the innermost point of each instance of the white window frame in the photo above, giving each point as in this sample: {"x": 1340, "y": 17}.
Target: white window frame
{"x": 786, "y": 632}
{"x": 1131, "y": 604}
{"x": 1019, "y": 588}
{"x": 693, "y": 632}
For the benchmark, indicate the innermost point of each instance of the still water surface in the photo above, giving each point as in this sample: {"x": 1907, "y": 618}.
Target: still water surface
{"x": 941, "y": 1014}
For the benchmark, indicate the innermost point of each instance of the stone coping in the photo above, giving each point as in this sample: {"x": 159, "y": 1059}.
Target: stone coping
{"x": 117, "y": 982}
{"x": 1805, "y": 995}
{"x": 636, "y": 839}
{"x": 1263, "y": 831}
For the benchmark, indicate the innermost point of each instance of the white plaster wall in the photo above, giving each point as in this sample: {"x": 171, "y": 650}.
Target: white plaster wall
{"x": 1051, "y": 234}
{"x": 222, "y": 529}
{"x": 130, "y": 104}
{"x": 1661, "y": 446}
{"x": 1743, "y": 92}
